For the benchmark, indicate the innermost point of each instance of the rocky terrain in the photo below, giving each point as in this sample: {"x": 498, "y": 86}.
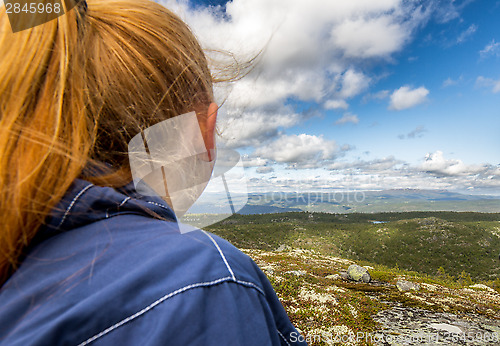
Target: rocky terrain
{"x": 417, "y": 278}
{"x": 395, "y": 307}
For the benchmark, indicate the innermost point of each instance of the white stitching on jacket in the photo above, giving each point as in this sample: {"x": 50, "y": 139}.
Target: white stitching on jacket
{"x": 149, "y": 307}
{"x": 251, "y": 284}
{"x": 123, "y": 202}
{"x": 231, "y": 278}
{"x": 66, "y": 213}
{"x": 158, "y": 205}
{"x": 221, "y": 254}
{"x": 283, "y": 337}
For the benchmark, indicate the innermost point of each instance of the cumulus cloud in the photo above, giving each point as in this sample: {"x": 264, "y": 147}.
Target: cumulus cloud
{"x": 488, "y": 83}
{"x": 491, "y": 49}
{"x": 307, "y": 50}
{"x": 347, "y": 118}
{"x": 243, "y": 128}
{"x": 366, "y": 37}
{"x": 314, "y": 51}
{"x": 405, "y": 97}
{"x": 437, "y": 164}
{"x": 305, "y": 151}
{"x": 353, "y": 83}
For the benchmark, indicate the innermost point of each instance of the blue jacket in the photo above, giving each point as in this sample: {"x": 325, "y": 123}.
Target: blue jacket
{"x": 106, "y": 270}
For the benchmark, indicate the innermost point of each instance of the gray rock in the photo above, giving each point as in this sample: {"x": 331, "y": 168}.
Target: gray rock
{"x": 404, "y": 286}
{"x": 366, "y": 277}
{"x": 435, "y": 328}
{"x": 334, "y": 276}
{"x": 282, "y": 247}
{"x": 344, "y": 275}
{"x": 296, "y": 272}
{"x": 446, "y": 327}
{"x": 358, "y": 273}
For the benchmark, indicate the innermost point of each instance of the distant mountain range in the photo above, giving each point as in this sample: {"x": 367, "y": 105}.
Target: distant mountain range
{"x": 371, "y": 202}
{"x": 356, "y": 201}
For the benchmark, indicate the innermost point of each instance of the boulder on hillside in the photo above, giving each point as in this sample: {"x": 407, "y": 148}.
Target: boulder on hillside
{"x": 358, "y": 273}
{"x": 344, "y": 275}
{"x": 404, "y": 286}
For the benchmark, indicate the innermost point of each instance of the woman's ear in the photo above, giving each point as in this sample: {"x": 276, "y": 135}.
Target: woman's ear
{"x": 207, "y": 125}
{"x": 212, "y": 118}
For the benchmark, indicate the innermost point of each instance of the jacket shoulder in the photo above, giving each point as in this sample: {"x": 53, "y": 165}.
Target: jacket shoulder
{"x": 114, "y": 274}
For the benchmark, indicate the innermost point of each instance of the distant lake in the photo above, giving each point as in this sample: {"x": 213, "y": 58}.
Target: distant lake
{"x": 379, "y": 222}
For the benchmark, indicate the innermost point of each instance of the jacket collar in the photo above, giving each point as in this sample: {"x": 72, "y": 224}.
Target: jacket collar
{"x": 85, "y": 203}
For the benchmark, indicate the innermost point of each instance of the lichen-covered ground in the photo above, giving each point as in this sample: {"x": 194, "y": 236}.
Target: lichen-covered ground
{"x": 329, "y": 310}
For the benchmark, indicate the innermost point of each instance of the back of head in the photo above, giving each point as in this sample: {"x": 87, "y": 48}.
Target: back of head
{"x": 74, "y": 91}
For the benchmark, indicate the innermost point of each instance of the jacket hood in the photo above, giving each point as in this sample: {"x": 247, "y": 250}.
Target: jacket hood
{"x": 85, "y": 203}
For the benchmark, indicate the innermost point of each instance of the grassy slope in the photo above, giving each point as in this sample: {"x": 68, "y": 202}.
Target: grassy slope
{"x": 444, "y": 252}
{"x": 458, "y": 243}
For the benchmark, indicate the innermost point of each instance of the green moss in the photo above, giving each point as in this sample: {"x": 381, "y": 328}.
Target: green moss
{"x": 400, "y": 248}
{"x": 287, "y": 288}
{"x": 415, "y": 241}
{"x": 380, "y": 275}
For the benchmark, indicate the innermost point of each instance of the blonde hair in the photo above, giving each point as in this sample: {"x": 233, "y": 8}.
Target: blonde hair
{"x": 74, "y": 91}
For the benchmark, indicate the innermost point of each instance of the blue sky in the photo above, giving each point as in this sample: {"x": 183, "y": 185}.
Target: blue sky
{"x": 360, "y": 94}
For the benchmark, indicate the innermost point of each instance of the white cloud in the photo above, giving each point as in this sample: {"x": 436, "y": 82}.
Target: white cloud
{"x": 353, "y": 83}
{"x": 488, "y": 83}
{"x": 347, "y": 118}
{"x": 405, "y": 97}
{"x": 467, "y": 33}
{"x": 437, "y": 164}
{"x": 445, "y": 11}
{"x": 336, "y": 104}
{"x": 241, "y": 128}
{"x": 400, "y": 178}
{"x": 364, "y": 37}
{"x": 451, "y": 82}
{"x": 436, "y": 172}
{"x": 253, "y": 161}
{"x": 265, "y": 91}
{"x": 308, "y": 46}
{"x": 492, "y": 48}
{"x": 315, "y": 51}
{"x": 303, "y": 150}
